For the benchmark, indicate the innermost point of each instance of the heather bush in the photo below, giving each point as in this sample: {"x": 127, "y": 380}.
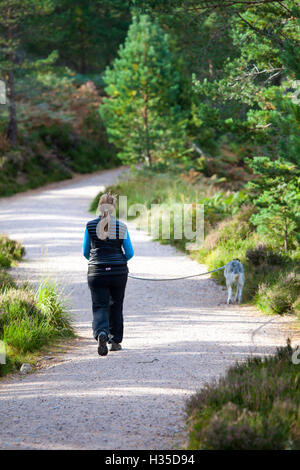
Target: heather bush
{"x": 255, "y": 406}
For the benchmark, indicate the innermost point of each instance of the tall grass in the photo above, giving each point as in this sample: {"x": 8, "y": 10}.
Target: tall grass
{"x": 29, "y": 320}
{"x": 54, "y": 309}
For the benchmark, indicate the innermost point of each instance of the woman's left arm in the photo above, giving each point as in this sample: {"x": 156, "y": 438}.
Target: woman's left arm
{"x": 86, "y": 245}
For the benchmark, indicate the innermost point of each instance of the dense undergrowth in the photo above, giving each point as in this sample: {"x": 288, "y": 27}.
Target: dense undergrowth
{"x": 61, "y": 136}
{"x": 254, "y": 407}
{"x": 29, "y": 320}
{"x": 272, "y": 275}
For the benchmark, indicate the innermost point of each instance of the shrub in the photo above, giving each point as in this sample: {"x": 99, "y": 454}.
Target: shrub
{"x": 280, "y": 296}
{"x": 233, "y": 428}
{"x": 276, "y": 194}
{"x": 234, "y": 229}
{"x": 28, "y": 320}
{"x": 17, "y": 304}
{"x": 10, "y": 251}
{"x": 266, "y": 271}
{"x": 262, "y": 254}
{"x": 255, "y": 406}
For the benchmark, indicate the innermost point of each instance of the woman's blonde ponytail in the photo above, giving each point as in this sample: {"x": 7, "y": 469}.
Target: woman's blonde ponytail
{"x": 106, "y": 206}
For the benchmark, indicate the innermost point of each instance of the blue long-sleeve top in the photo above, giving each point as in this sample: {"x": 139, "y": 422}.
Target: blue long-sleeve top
{"x": 127, "y": 246}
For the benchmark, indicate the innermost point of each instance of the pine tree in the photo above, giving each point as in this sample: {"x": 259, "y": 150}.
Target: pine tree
{"x": 86, "y": 33}
{"x": 276, "y": 195}
{"x": 141, "y": 113}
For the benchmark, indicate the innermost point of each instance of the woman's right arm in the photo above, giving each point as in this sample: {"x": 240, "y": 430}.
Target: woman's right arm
{"x": 86, "y": 245}
{"x": 128, "y": 249}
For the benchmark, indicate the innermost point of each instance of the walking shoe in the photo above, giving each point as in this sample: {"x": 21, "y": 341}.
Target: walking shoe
{"x": 114, "y": 346}
{"x": 102, "y": 347}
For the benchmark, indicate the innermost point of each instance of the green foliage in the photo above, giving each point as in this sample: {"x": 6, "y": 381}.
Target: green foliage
{"x": 142, "y": 112}
{"x": 276, "y": 195}
{"x": 270, "y": 275}
{"x": 11, "y": 251}
{"x": 250, "y": 101}
{"x": 85, "y": 34}
{"x": 254, "y": 407}
{"x": 27, "y": 334}
{"x": 53, "y": 308}
{"x": 262, "y": 254}
{"x": 52, "y": 153}
{"x": 79, "y": 154}
{"x": 279, "y": 297}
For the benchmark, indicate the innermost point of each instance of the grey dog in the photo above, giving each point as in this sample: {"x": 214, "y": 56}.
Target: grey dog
{"x": 234, "y": 274}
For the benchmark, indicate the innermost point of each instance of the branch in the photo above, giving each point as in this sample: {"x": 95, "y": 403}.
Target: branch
{"x": 230, "y": 3}
{"x": 259, "y": 31}
{"x": 285, "y": 7}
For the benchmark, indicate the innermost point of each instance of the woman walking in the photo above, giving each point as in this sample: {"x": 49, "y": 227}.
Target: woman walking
{"x": 107, "y": 247}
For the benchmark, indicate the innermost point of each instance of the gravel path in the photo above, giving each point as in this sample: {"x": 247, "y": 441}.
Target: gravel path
{"x": 178, "y": 335}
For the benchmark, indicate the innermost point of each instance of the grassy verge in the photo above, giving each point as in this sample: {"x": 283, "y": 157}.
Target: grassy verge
{"x": 254, "y": 407}
{"x": 29, "y": 320}
{"x": 272, "y": 277}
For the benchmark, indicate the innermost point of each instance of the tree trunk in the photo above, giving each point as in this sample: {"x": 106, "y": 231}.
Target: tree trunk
{"x": 82, "y": 58}
{"x": 12, "y": 130}
{"x": 146, "y": 126}
{"x": 82, "y": 65}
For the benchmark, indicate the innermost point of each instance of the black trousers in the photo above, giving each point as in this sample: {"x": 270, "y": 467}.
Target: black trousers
{"x": 107, "y": 291}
